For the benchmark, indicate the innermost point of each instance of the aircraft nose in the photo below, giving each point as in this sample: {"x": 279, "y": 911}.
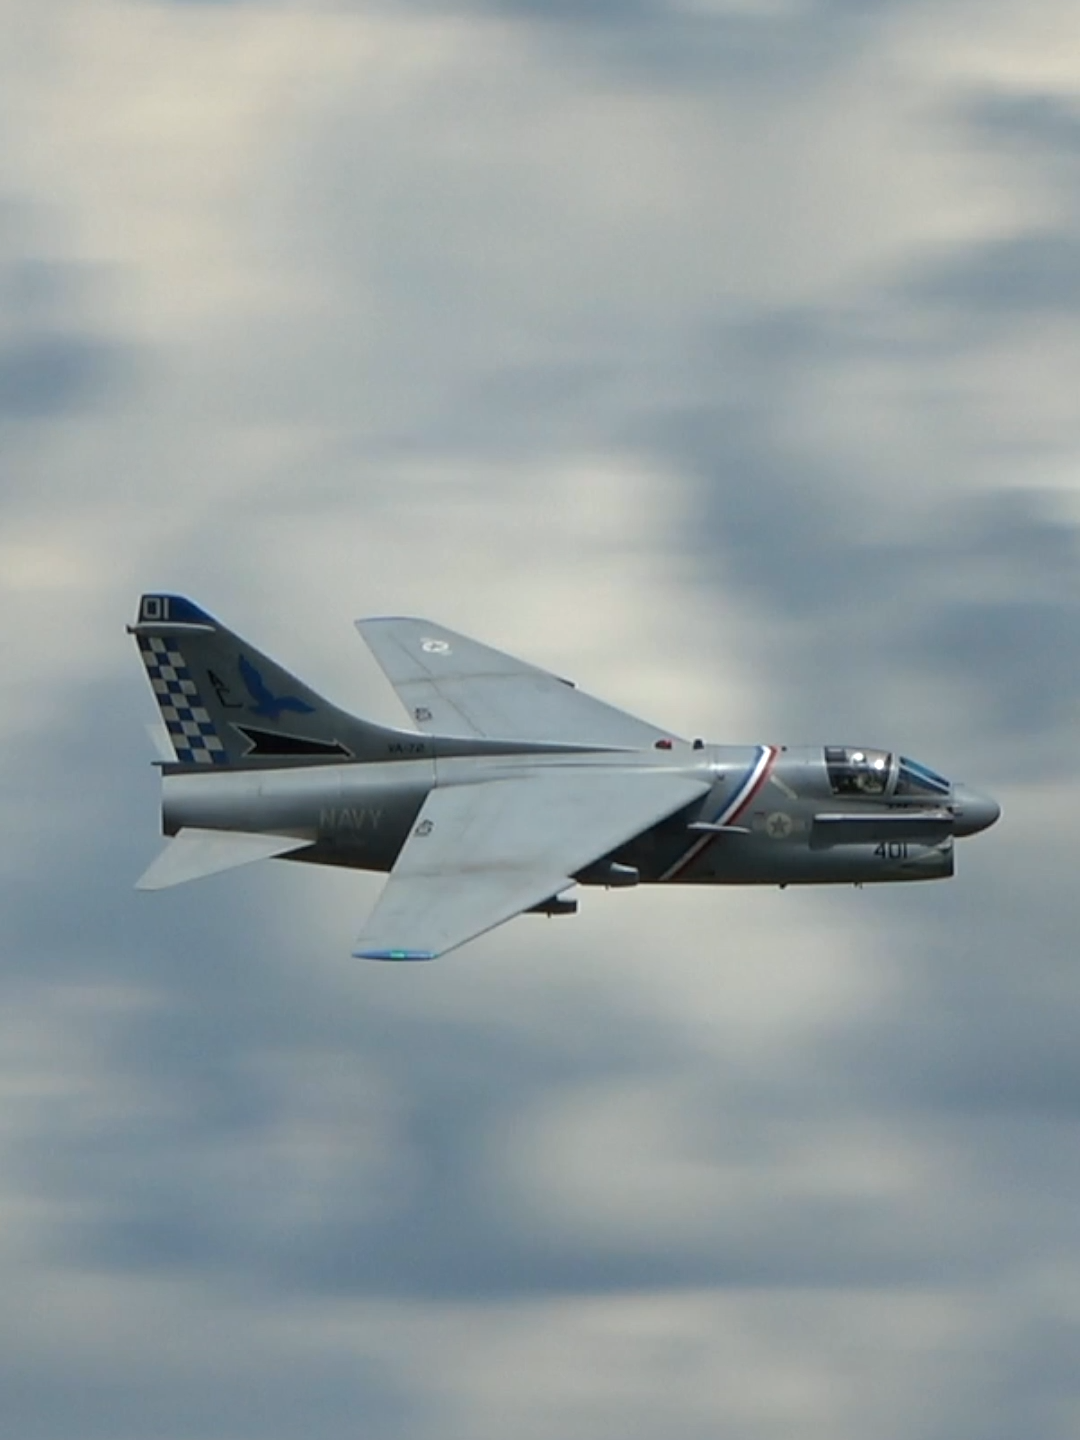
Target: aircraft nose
{"x": 974, "y": 812}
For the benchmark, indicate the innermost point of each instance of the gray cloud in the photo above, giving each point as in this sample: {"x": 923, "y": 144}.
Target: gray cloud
{"x": 49, "y": 375}
{"x": 55, "y": 360}
{"x": 681, "y": 44}
{"x": 285, "y": 1395}
{"x": 217, "y": 1107}
{"x": 1032, "y": 123}
{"x": 965, "y": 592}
{"x": 1024, "y": 275}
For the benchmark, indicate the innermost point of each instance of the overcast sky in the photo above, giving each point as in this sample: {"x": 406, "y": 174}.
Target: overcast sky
{"x": 722, "y": 354}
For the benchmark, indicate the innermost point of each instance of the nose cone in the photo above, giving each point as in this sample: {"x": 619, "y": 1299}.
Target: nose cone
{"x": 974, "y": 812}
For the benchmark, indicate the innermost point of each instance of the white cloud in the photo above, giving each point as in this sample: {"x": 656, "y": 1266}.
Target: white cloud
{"x": 751, "y": 1364}
{"x": 691, "y": 1173}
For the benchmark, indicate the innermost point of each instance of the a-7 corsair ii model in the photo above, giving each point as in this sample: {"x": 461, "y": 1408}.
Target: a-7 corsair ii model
{"x": 515, "y": 787}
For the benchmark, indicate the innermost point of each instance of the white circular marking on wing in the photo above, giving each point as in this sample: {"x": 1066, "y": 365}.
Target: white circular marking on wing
{"x": 435, "y": 647}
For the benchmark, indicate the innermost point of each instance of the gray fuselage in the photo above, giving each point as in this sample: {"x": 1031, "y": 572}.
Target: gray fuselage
{"x": 778, "y": 816}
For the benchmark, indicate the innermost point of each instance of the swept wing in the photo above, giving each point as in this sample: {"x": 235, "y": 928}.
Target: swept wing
{"x": 452, "y": 685}
{"x": 482, "y": 853}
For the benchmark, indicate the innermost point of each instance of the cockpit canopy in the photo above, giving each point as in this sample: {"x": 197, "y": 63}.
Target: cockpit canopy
{"x": 853, "y": 771}
{"x": 857, "y": 770}
{"x": 915, "y": 779}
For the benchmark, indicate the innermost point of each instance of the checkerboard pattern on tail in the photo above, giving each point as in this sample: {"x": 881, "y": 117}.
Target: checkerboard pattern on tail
{"x": 190, "y": 728}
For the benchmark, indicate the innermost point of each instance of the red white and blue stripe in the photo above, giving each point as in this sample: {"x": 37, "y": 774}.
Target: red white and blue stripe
{"x": 749, "y": 787}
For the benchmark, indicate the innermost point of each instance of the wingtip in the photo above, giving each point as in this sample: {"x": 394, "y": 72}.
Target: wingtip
{"x": 390, "y": 620}
{"x": 394, "y": 954}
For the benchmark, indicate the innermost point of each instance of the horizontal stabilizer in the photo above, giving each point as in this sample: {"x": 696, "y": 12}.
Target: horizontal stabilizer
{"x": 925, "y": 827}
{"x": 192, "y": 853}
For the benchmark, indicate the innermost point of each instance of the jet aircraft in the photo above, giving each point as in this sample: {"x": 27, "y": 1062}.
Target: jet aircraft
{"x": 514, "y": 787}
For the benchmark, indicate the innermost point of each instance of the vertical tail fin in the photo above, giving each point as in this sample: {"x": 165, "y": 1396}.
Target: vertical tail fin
{"x": 225, "y": 703}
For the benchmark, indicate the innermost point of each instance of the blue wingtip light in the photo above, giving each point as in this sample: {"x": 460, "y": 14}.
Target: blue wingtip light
{"x": 394, "y": 954}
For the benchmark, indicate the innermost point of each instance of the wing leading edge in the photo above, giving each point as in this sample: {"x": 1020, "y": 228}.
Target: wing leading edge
{"x": 452, "y": 685}
{"x": 482, "y": 853}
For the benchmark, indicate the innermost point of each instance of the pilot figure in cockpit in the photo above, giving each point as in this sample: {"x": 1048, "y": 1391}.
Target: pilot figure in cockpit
{"x": 869, "y": 774}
